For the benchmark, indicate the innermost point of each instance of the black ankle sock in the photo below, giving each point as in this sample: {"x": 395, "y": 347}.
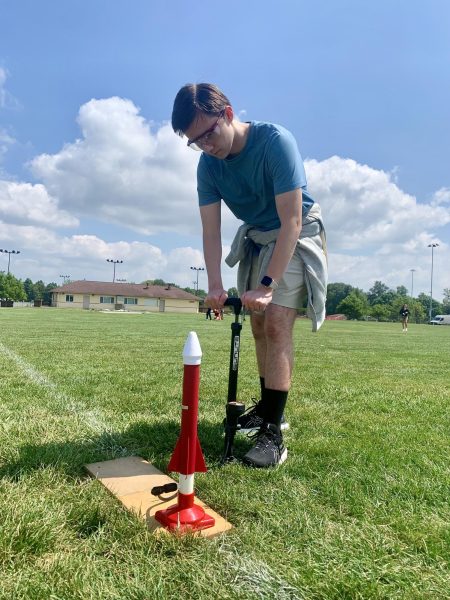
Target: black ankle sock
{"x": 262, "y": 383}
{"x": 274, "y": 404}
{"x": 260, "y": 405}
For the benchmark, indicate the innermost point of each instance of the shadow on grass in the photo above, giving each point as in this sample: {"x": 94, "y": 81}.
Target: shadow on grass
{"x": 153, "y": 442}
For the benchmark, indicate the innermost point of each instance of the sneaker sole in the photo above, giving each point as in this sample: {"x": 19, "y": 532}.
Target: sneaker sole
{"x": 283, "y": 458}
{"x": 283, "y": 427}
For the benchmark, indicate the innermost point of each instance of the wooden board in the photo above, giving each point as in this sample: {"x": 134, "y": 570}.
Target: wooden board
{"x": 130, "y": 479}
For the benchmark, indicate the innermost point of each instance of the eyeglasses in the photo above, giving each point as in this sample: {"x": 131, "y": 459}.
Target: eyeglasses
{"x": 207, "y": 137}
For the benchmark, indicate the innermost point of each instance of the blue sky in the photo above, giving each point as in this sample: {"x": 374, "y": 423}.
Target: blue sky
{"x": 89, "y": 168}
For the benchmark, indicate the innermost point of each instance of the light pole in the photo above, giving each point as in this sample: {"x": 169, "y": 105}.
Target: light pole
{"x": 9, "y": 252}
{"x": 65, "y": 278}
{"x": 115, "y": 262}
{"x": 432, "y": 246}
{"x": 197, "y": 269}
{"x": 412, "y": 282}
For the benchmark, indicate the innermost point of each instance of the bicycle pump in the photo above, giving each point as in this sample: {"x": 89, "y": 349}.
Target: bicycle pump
{"x": 234, "y": 409}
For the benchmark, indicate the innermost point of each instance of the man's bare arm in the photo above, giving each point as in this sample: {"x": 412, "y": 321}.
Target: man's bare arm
{"x": 212, "y": 250}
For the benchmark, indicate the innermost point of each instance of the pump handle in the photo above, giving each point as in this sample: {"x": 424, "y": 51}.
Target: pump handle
{"x": 236, "y": 303}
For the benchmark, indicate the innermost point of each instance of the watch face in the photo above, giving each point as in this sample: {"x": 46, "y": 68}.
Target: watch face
{"x": 266, "y": 281}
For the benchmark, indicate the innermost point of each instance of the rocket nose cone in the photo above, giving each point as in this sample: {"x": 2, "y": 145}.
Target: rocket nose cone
{"x": 192, "y": 352}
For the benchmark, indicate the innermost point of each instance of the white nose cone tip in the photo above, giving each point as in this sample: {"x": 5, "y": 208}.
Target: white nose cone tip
{"x": 192, "y": 352}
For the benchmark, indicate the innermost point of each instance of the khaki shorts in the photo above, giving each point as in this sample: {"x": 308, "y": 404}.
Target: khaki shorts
{"x": 291, "y": 290}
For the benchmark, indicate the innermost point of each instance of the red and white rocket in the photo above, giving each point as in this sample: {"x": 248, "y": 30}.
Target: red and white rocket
{"x": 187, "y": 457}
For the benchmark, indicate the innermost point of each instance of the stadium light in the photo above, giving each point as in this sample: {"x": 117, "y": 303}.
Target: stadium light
{"x": 115, "y": 262}
{"x": 197, "y": 269}
{"x": 9, "y": 252}
{"x": 432, "y": 246}
{"x": 412, "y": 282}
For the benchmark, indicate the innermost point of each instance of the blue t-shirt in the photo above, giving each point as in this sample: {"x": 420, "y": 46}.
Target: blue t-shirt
{"x": 269, "y": 164}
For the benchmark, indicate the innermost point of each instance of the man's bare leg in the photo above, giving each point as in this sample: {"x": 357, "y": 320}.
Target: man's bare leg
{"x": 272, "y": 332}
{"x": 273, "y": 340}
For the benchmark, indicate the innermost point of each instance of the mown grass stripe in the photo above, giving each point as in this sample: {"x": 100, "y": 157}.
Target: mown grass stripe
{"x": 93, "y": 419}
{"x": 359, "y": 510}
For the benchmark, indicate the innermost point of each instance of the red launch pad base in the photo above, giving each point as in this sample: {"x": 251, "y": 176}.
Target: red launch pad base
{"x": 130, "y": 480}
{"x": 185, "y": 515}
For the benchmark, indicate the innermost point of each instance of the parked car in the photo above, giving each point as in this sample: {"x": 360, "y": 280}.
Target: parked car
{"x": 440, "y": 320}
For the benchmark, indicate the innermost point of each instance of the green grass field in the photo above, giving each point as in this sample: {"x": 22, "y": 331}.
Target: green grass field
{"x": 359, "y": 510}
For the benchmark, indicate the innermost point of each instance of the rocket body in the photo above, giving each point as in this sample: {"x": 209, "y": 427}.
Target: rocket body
{"x": 187, "y": 457}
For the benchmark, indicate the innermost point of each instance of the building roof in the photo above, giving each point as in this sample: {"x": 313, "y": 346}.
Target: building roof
{"x": 141, "y": 290}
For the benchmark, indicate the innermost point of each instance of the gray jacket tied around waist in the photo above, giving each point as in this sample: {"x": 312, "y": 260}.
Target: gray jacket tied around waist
{"x": 310, "y": 248}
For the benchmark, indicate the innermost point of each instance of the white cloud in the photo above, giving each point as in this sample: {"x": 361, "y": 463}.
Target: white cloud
{"x": 7, "y": 100}
{"x": 27, "y": 203}
{"x": 127, "y": 171}
{"x": 392, "y": 265}
{"x": 123, "y": 172}
{"x": 375, "y": 231}
{"x": 364, "y": 208}
{"x": 442, "y": 196}
{"x": 5, "y": 141}
{"x": 46, "y": 255}
{"x": 3, "y": 76}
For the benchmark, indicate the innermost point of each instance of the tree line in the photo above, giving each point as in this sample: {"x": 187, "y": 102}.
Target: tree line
{"x": 380, "y": 302}
{"x": 15, "y": 289}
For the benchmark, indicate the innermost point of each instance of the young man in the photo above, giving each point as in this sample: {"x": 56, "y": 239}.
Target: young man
{"x": 257, "y": 170}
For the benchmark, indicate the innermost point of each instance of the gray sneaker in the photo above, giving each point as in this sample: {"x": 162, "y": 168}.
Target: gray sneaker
{"x": 251, "y": 422}
{"x": 268, "y": 450}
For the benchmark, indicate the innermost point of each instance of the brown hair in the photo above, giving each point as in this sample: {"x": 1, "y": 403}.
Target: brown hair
{"x": 194, "y": 98}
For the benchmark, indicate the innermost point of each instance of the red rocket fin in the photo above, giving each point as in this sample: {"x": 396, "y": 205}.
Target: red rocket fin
{"x": 180, "y": 461}
{"x": 200, "y": 466}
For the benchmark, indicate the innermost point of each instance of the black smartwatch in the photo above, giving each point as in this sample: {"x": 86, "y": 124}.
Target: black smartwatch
{"x": 268, "y": 282}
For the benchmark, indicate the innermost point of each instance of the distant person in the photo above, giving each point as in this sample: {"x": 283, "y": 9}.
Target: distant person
{"x": 404, "y": 313}
{"x": 255, "y": 168}
{"x": 208, "y": 313}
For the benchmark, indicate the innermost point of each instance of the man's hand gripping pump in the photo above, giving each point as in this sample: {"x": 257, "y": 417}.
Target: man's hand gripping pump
{"x": 234, "y": 409}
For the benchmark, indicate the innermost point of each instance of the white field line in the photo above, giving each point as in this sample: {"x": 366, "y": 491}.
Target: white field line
{"x": 91, "y": 418}
{"x": 247, "y": 574}
{"x": 253, "y": 576}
